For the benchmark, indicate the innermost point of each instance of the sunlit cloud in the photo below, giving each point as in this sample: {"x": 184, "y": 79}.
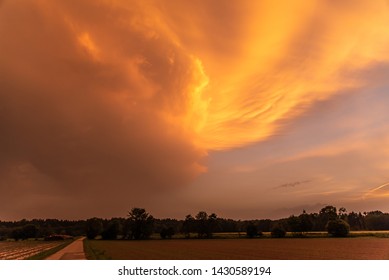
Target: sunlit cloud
{"x": 290, "y": 65}
{"x": 136, "y": 94}
{"x": 382, "y": 190}
{"x": 87, "y": 43}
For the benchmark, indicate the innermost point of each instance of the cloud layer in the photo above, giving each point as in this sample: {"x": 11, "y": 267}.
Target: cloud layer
{"x": 92, "y": 99}
{"x": 114, "y": 100}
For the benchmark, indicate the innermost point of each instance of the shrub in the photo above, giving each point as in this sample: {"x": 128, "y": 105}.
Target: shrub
{"x": 251, "y": 231}
{"x": 111, "y": 231}
{"x": 16, "y": 234}
{"x": 338, "y": 228}
{"x": 94, "y": 227}
{"x": 167, "y": 233}
{"x": 27, "y": 231}
{"x": 278, "y": 231}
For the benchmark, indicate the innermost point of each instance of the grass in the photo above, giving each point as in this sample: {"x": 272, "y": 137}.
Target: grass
{"x": 311, "y": 234}
{"x": 93, "y": 253}
{"x": 381, "y": 234}
{"x": 44, "y": 254}
{"x": 363, "y": 248}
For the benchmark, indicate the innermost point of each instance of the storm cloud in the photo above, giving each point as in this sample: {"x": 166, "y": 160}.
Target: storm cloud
{"x": 106, "y": 104}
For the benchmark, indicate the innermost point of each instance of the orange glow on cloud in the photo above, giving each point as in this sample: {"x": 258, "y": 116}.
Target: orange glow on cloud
{"x": 134, "y": 94}
{"x": 230, "y": 75}
{"x": 279, "y": 59}
{"x": 276, "y": 61}
{"x": 86, "y": 42}
{"x": 290, "y": 59}
{"x": 285, "y": 57}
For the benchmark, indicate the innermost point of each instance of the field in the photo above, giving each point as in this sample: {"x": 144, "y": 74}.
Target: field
{"x": 11, "y": 250}
{"x": 362, "y": 248}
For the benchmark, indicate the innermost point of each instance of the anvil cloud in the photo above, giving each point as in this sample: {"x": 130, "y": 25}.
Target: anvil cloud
{"x": 106, "y": 104}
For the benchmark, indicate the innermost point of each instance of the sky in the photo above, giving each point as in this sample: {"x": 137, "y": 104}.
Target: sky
{"x": 248, "y": 109}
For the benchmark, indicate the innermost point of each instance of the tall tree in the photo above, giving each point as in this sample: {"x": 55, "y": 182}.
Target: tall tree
{"x": 205, "y": 224}
{"x": 94, "y": 227}
{"x": 201, "y": 224}
{"x": 306, "y": 222}
{"x": 140, "y": 223}
{"x": 251, "y": 230}
{"x": 111, "y": 230}
{"x": 326, "y": 214}
{"x": 294, "y": 224}
{"x": 188, "y": 225}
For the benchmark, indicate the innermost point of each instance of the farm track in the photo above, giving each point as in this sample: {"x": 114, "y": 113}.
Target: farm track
{"x": 24, "y": 249}
{"x": 73, "y": 251}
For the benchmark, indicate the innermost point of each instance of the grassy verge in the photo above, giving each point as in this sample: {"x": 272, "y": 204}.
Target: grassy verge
{"x": 93, "y": 253}
{"x": 380, "y": 234}
{"x": 44, "y": 254}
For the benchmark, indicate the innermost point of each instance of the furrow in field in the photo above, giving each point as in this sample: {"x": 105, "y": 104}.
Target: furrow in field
{"x": 23, "y": 250}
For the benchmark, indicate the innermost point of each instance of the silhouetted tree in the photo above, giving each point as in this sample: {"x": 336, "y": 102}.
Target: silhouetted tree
{"x": 306, "y": 222}
{"x": 160, "y": 224}
{"x": 201, "y": 224}
{"x": 338, "y": 228}
{"x": 294, "y": 224}
{"x": 326, "y": 214}
{"x": 227, "y": 225}
{"x": 342, "y": 213}
{"x": 299, "y": 225}
{"x": 140, "y": 223}
{"x": 111, "y": 231}
{"x": 167, "y": 233}
{"x": 25, "y": 232}
{"x": 16, "y": 234}
{"x": 265, "y": 225}
{"x": 205, "y": 224}
{"x": 278, "y": 231}
{"x": 29, "y": 231}
{"x": 94, "y": 227}
{"x": 188, "y": 225}
{"x": 212, "y": 224}
{"x": 356, "y": 221}
{"x": 251, "y": 230}
{"x": 376, "y": 220}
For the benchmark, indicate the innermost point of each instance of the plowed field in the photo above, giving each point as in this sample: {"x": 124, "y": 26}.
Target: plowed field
{"x": 361, "y": 248}
{"x": 23, "y": 249}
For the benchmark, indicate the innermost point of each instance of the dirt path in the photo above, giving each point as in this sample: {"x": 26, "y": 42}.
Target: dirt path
{"x": 74, "y": 251}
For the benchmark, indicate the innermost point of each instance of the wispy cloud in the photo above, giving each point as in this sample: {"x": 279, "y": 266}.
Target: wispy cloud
{"x": 292, "y": 184}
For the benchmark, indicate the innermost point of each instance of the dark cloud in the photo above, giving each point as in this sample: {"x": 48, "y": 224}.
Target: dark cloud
{"x": 109, "y": 104}
{"x": 85, "y": 108}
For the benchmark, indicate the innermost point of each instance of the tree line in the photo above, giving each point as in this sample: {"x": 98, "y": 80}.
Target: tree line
{"x": 139, "y": 224}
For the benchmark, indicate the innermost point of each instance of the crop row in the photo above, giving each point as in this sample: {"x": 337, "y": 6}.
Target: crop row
{"x": 23, "y": 250}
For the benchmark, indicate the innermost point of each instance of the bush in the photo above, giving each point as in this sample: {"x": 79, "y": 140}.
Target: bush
{"x": 111, "y": 231}
{"x": 28, "y": 231}
{"x": 251, "y": 231}
{"x": 278, "y": 231}
{"x": 94, "y": 227}
{"x": 338, "y": 228}
{"x": 167, "y": 233}
{"x": 16, "y": 234}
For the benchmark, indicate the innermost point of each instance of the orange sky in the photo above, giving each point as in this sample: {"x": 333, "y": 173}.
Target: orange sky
{"x": 275, "y": 105}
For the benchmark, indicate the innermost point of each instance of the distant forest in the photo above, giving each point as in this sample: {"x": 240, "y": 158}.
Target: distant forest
{"x": 141, "y": 225}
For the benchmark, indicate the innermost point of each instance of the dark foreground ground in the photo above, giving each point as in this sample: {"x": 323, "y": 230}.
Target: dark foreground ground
{"x": 358, "y": 248}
